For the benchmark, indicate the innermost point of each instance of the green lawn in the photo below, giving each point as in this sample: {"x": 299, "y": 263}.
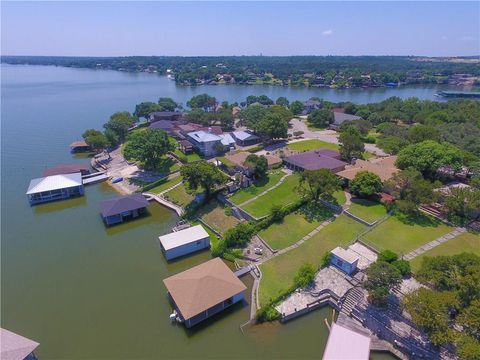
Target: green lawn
{"x": 278, "y": 273}
{"x": 190, "y": 157}
{"x": 467, "y": 242}
{"x": 166, "y": 184}
{"x": 367, "y": 210}
{"x": 214, "y": 215}
{"x": 339, "y": 196}
{"x": 179, "y": 196}
{"x": 258, "y": 187}
{"x": 312, "y": 144}
{"x": 403, "y": 237}
{"x": 294, "y": 227}
{"x": 282, "y": 195}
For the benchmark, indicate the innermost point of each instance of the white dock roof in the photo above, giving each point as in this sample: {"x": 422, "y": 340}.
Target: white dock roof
{"x": 14, "y": 346}
{"x": 345, "y": 344}
{"x": 54, "y": 182}
{"x": 183, "y": 237}
{"x": 346, "y": 255}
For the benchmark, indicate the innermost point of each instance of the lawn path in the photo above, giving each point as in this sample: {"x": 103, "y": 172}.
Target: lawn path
{"x": 424, "y": 248}
{"x": 265, "y": 191}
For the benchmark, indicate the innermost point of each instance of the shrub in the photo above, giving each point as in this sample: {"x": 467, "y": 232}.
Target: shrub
{"x": 403, "y": 266}
{"x": 326, "y": 259}
{"x": 256, "y": 148}
{"x": 239, "y": 236}
{"x": 387, "y": 256}
{"x": 304, "y": 276}
{"x": 277, "y": 213}
{"x": 267, "y": 313}
{"x": 378, "y": 296}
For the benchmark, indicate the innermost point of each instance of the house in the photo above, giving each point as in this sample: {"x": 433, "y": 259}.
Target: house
{"x": 340, "y": 118}
{"x": 383, "y": 167}
{"x": 240, "y": 157}
{"x": 184, "y": 242}
{"x": 310, "y": 105}
{"x": 16, "y": 347}
{"x": 203, "y": 291}
{"x": 184, "y": 129}
{"x": 185, "y": 146}
{"x": 165, "y": 115}
{"x": 346, "y": 344}
{"x": 345, "y": 260}
{"x": 67, "y": 169}
{"x": 210, "y": 144}
{"x": 165, "y": 125}
{"x": 315, "y": 160}
{"x": 214, "y": 129}
{"x": 245, "y": 138}
{"x": 117, "y": 210}
{"x": 55, "y": 187}
{"x": 79, "y": 146}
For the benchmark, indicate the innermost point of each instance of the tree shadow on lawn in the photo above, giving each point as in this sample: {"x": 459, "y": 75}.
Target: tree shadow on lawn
{"x": 315, "y": 212}
{"x": 419, "y": 219}
{"x": 365, "y": 202}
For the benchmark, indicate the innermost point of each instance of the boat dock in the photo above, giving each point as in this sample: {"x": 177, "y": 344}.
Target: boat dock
{"x": 460, "y": 94}
{"x": 243, "y": 271}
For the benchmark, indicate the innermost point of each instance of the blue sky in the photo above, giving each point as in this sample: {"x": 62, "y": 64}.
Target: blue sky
{"x": 240, "y": 28}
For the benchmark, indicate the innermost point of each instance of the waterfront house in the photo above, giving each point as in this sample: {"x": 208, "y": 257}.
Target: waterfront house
{"x": 316, "y": 160}
{"x": 184, "y": 242}
{"x": 210, "y": 144}
{"x": 383, "y": 167}
{"x": 340, "y": 117}
{"x": 203, "y": 291}
{"x": 165, "y": 115}
{"x": 55, "y": 187}
{"x": 245, "y": 138}
{"x": 16, "y": 347}
{"x": 310, "y": 105}
{"x": 67, "y": 169}
{"x": 345, "y": 260}
{"x": 165, "y": 125}
{"x": 122, "y": 208}
{"x": 237, "y": 161}
{"x": 346, "y": 344}
{"x": 79, "y": 146}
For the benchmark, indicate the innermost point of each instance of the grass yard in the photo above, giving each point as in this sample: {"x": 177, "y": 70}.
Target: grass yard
{"x": 214, "y": 215}
{"x": 245, "y": 194}
{"x": 339, "y": 196}
{"x": 190, "y": 157}
{"x": 166, "y": 184}
{"x": 403, "y": 237}
{"x": 294, "y": 227}
{"x": 179, "y": 196}
{"x": 367, "y": 210}
{"x": 282, "y": 195}
{"x": 312, "y": 144}
{"x": 467, "y": 242}
{"x": 278, "y": 273}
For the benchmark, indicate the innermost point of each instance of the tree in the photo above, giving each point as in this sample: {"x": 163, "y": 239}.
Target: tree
{"x": 470, "y": 318}
{"x": 203, "y": 174}
{"x": 239, "y": 236}
{"x": 198, "y": 116}
{"x": 351, "y": 144}
{"x": 387, "y": 256}
{"x": 95, "y": 139}
{"x": 428, "y": 156}
{"x": 318, "y": 183}
{"x": 392, "y": 144}
{"x": 119, "y": 123}
{"x": 167, "y": 104}
{"x": 202, "y": 101}
{"x": 148, "y": 146}
{"x": 272, "y": 126}
{"x": 381, "y": 277}
{"x": 112, "y": 137}
{"x": 304, "y": 276}
{"x": 419, "y": 133}
{"x": 468, "y": 348}
{"x": 365, "y": 184}
{"x": 429, "y": 310}
{"x": 145, "y": 108}
{"x": 321, "y": 118}
{"x": 258, "y": 165}
{"x": 296, "y": 107}
{"x": 463, "y": 202}
{"x": 251, "y": 116}
{"x": 282, "y": 101}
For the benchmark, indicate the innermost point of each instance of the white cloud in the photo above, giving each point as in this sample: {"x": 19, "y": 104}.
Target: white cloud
{"x": 327, "y": 32}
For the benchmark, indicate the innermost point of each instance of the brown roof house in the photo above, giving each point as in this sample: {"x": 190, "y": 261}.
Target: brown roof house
{"x": 384, "y": 167}
{"x": 204, "y": 290}
{"x": 240, "y": 157}
{"x": 316, "y": 160}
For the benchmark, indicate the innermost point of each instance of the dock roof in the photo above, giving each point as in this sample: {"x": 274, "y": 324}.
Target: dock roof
{"x": 66, "y": 169}
{"x": 183, "y": 237}
{"x": 14, "y": 346}
{"x": 121, "y": 204}
{"x": 54, "y": 182}
{"x": 346, "y": 344}
{"x": 203, "y": 286}
{"x": 80, "y": 143}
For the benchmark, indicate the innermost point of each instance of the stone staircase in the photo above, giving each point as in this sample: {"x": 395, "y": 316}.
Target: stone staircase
{"x": 350, "y": 300}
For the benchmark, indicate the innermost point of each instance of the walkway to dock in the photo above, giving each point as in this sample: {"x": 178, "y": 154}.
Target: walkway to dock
{"x": 161, "y": 200}
{"x": 424, "y": 248}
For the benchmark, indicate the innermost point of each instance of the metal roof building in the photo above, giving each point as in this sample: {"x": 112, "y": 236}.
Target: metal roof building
{"x": 55, "y": 187}
{"x": 15, "y": 347}
{"x": 345, "y": 344}
{"x": 183, "y": 242}
{"x": 315, "y": 160}
{"x": 119, "y": 209}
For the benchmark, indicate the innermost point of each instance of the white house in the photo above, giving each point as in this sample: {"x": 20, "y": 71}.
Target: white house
{"x": 55, "y": 187}
{"x": 345, "y": 260}
{"x": 184, "y": 242}
{"x": 210, "y": 144}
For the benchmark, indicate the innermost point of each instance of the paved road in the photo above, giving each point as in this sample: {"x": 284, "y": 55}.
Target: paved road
{"x": 330, "y": 136}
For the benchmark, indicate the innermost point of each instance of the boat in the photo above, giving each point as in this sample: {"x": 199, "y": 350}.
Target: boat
{"x": 117, "y": 180}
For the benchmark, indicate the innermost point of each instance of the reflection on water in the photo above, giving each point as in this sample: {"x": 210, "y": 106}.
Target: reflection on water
{"x": 59, "y": 205}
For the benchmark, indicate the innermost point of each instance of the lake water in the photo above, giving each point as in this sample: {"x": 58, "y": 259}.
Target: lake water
{"x": 87, "y": 292}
